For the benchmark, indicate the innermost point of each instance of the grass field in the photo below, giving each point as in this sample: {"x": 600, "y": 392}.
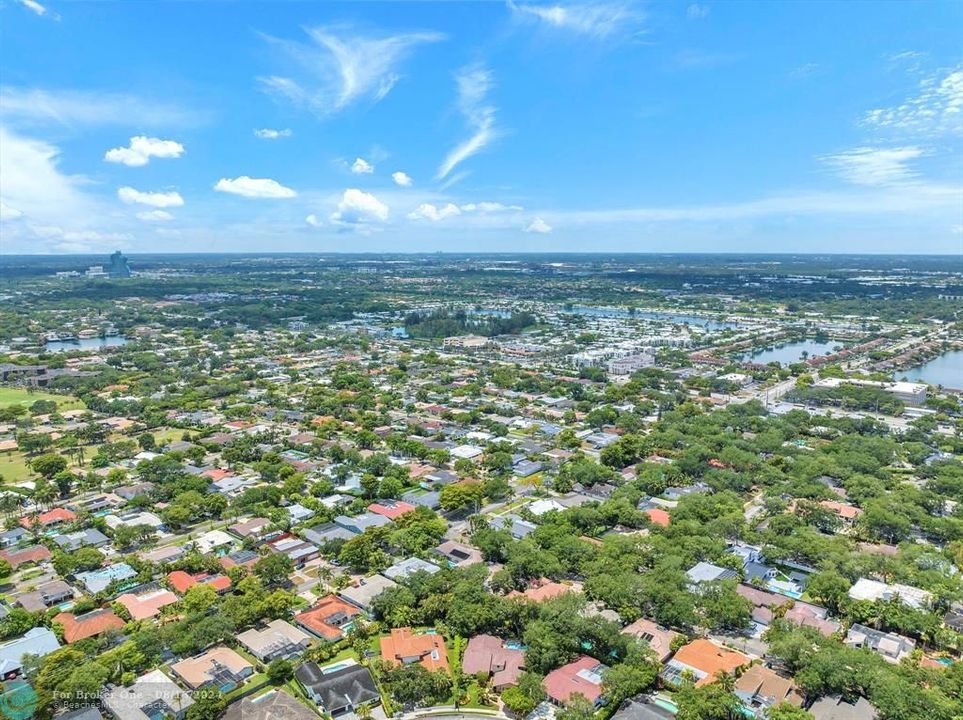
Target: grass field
{"x": 17, "y": 396}
{"x": 13, "y": 467}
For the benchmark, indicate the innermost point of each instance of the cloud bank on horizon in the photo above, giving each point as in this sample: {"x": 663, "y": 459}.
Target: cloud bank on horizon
{"x": 558, "y": 126}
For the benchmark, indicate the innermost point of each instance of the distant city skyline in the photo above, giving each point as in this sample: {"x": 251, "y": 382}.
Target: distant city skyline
{"x": 487, "y": 127}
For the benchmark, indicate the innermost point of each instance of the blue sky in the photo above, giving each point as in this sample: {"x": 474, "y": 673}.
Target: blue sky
{"x": 486, "y": 126}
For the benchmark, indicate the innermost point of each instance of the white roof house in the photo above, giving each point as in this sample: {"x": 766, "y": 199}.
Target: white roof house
{"x": 150, "y": 695}
{"x": 874, "y": 591}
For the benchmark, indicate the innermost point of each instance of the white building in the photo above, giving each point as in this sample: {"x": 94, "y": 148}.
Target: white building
{"x": 874, "y": 591}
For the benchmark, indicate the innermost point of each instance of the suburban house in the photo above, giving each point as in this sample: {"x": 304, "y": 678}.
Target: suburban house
{"x": 338, "y": 691}
{"x": 703, "y": 572}
{"x": 329, "y": 618}
{"x": 890, "y": 646}
{"x": 403, "y": 569}
{"x": 760, "y": 688}
{"x": 544, "y": 589}
{"x": 874, "y": 591}
{"x": 835, "y": 707}
{"x": 46, "y": 596}
{"x": 492, "y": 656}
{"x": 364, "y": 593}
{"x": 97, "y": 580}
{"x": 639, "y": 708}
{"x": 765, "y": 603}
{"x": 151, "y": 696}
{"x": 220, "y": 667}
{"x": 658, "y": 638}
{"x": 37, "y": 641}
{"x": 391, "y": 509}
{"x": 458, "y": 554}
{"x": 702, "y": 660}
{"x": 279, "y": 639}
{"x": 403, "y": 647}
{"x": 91, "y": 624}
{"x": 182, "y": 581}
{"x": 272, "y": 705}
{"x": 580, "y": 677}
{"x": 147, "y": 605}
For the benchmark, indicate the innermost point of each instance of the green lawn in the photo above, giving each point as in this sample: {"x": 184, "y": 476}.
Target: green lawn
{"x": 17, "y": 396}
{"x": 13, "y": 467}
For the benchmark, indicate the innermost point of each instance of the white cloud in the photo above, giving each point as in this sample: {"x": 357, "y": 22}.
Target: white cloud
{"x": 538, "y": 226}
{"x": 936, "y": 109}
{"x": 360, "y": 166}
{"x": 141, "y": 149}
{"x": 597, "y": 20}
{"x": 271, "y": 133}
{"x": 36, "y": 8}
{"x": 359, "y": 208}
{"x": 155, "y": 216}
{"x": 474, "y": 83}
{"x": 342, "y": 67}
{"x": 427, "y": 211}
{"x": 402, "y": 179}
{"x": 71, "y": 107}
{"x": 9, "y": 213}
{"x": 490, "y": 207}
{"x": 697, "y": 11}
{"x": 875, "y": 166}
{"x": 313, "y": 220}
{"x": 34, "y": 186}
{"x": 155, "y": 199}
{"x": 254, "y": 187}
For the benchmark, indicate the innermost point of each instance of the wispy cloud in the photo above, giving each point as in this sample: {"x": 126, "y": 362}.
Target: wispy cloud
{"x": 697, "y": 11}
{"x": 597, "y": 20}
{"x": 38, "y": 9}
{"x": 474, "y": 84}
{"x": 538, "y": 225}
{"x": 430, "y": 211}
{"x": 72, "y": 107}
{"x": 342, "y": 66}
{"x": 936, "y": 109}
{"x": 910, "y": 200}
{"x": 875, "y": 166}
{"x": 271, "y": 133}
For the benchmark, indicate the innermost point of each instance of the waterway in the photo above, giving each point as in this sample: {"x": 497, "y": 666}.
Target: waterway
{"x": 946, "y": 370}
{"x": 789, "y": 353}
{"x": 95, "y": 343}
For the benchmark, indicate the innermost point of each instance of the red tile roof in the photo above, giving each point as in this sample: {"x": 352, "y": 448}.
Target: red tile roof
{"x": 34, "y": 553}
{"x": 182, "y": 581}
{"x": 576, "y": 678}
{"x": 85, "y": 626}
{"x": 51, "y": 517}
{"x": 326, "y": 618}
{"x": 709, "y": 658}
{"x": 391, "y": 509}
{"x": 488, "y": 654}
{"x": 543, "y": 589}
{"x": 658, "y": 516}
{"x": 146, "y": 605}
{"x": 402, "y": 646}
